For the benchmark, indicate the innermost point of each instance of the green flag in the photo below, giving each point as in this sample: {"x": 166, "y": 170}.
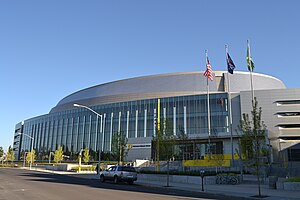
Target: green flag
{"x": 250, "y": 62}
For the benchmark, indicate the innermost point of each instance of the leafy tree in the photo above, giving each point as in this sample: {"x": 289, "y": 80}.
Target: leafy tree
{"x": 28, "y": 157}
{"x": 119, "y": 146}
{"x": 86, "y": 156}
{"x": 1, "y": 152}
{"x": 58, "y": 155}
{"x": 253, "y": 140}
{"x": 183, "y": 138}
{"x": 167, "y": 141}
{"x": 93, "y": 155}
{"x": 165, "y": 145}
{"x": 10, "y": 155}
{"x": 218, "y": 160}
{"x": 164, "y": 142}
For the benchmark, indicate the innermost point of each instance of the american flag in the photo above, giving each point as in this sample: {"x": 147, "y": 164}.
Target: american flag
{"x": 208, "y": 73}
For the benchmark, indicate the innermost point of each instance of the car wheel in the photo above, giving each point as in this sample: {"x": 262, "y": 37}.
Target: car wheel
{"x": 130, "y": 182}
{"x": 116, "y": 179}
{"x": 102, "y": 179}
{"x": 234, "y": 181}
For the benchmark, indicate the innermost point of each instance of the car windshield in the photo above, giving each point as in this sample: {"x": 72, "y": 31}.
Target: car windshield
{"x": 126, "y": 169}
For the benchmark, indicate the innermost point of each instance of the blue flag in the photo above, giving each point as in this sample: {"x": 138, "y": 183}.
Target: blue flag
{"x": 230, "y": 64}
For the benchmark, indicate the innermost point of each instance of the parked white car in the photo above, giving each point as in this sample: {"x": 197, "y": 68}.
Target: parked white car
{"x": 119, "y": 173}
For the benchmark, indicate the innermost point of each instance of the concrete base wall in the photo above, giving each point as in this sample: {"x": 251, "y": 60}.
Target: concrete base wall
{"x": 208, "y": 180}
{"x": 293, "y": 186}
{"x": 64, "y": 167}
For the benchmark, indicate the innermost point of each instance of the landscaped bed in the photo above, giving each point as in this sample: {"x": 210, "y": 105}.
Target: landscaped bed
{"x": 292, "y": 183}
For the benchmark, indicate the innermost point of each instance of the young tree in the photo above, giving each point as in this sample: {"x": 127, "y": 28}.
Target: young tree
{"x": 165, "y": 142}
{"x": 10, "y": 155}
{"x": 253, "y": 140}
{"x": 165, "y": 145}
{"x": 28, "y": 157}
{"x": 58, "y": 155}
{"x": 86, "y": 156}
{"x": 119, "y": 146}
{"x": 183, "y": 138}
{"x": 1, "y": 152}
{"x": 218, "y": 159}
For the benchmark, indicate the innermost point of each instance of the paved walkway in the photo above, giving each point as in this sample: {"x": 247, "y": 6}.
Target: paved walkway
{"x": 242, "y": 190}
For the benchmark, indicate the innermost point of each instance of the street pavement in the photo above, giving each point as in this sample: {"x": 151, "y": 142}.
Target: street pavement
{"x": 21, "y": 184}
{"x": 243, "y": 191}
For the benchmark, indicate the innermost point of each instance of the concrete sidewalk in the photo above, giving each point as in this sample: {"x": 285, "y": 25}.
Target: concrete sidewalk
{"x": 240, "y": 190}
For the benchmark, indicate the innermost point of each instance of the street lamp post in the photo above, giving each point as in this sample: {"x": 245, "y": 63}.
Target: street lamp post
{"x": 79, "y": 161}
{"x": 98, "y": 115}
{"x": 32, "y": 139}
{"x": 24, "y": 159}
{"x": 51, "y": 153}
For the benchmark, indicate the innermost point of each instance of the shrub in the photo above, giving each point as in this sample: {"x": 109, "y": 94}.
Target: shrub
{"x": 84, "y": 168}
{"x": 188, "y": 173}
{"x": 184, "y": 173}
{"x": 293, "y": 179}
{"x": 9, "y": 165}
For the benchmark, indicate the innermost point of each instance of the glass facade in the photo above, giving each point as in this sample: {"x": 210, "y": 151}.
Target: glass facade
{"x": 79, "y": 128}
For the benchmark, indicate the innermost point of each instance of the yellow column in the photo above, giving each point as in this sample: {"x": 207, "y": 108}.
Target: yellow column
{"x": 158, "y": 114}
{"x": 158, "y": 135}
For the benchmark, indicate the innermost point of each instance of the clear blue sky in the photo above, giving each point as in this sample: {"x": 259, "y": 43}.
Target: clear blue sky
{"x": 49, "y": 49}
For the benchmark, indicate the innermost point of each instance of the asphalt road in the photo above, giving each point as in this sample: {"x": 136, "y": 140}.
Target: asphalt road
{"x": 19, "y": 184}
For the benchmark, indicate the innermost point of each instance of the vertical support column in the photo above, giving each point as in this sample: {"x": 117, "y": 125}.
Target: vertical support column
{"x": 34, "y": 136}
{"x": 41, "y": 143}
{"x": 158, "y": 114}
{"x": 45, "y": 135}
{"x": 90, "y": 129}
{"x": 158, "y": 136}
{"x": 47, "y": 138}
{"x": 67, "y": 130}
{"x": 54, "y": 138}
{"x": 227, "y": 124}
{"x": 51, "y": 134}
{"x": 119, "y": 126}
{"x": 184, "y": 120}
{"x": 145, "y": 123}
{"x": 37, "y": 138}
{"x": 136, "y": 123}
{"x": 96, "y": 136}
{"x": 127, "y": 125}
{"x": 174, "y": 120}
{"x": 103, "y": 131}
{"x": 154, "y": 122}
{"x": 165, "y": 120}
{"x": 71, "y": 134}
{"x": 59, "y": 133}
{"x": 77, "y": 135}
{"x": 83, "y": 132}
{"x": 111, "y": 129}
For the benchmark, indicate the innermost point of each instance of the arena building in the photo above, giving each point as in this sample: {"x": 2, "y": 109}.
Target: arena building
{"x": 135, "y": 107}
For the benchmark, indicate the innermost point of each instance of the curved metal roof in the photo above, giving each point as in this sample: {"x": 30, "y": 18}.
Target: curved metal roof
{"x": 165, "y": 85}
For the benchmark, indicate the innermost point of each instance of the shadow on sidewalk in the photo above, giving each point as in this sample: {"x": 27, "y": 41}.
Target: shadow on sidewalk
{"x": 65, "y": 179}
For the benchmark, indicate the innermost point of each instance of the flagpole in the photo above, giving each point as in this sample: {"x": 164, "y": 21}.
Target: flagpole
{"x": 251, "y": 77}
{"x": 230, "y": 112}
{"x": 208, "y": 106}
